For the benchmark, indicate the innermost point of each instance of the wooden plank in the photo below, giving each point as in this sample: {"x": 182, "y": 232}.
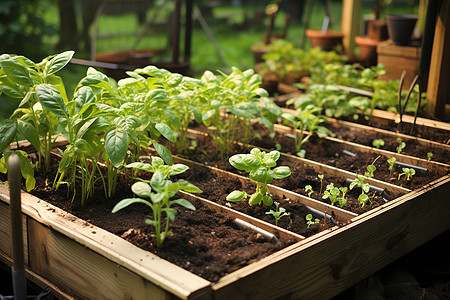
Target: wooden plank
{"x": 40, "y": 281}
{"x": 410, "y": 119}
{"x": 5, "y": 229}
{"x": 156, "y": 272}
{"x": 330, "y": 264}
{"x": 350, "y": 23}
{"x": 439, "y": 76}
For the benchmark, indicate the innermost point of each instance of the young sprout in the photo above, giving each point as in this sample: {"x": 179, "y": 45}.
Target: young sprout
{"x": 278, "y": 213}
{"x": 321, "y": 182}
{"x": 342, "y": 200}
{"x": 429, "y": 156}
{"x": 310, "y": 221}
{"x": 370, "y": 170}
{"x": 391, "y": 162}
{"x": 400, "y": 147}
{"x": 332, "y": 193}
{"x": 363, "y": 198}
{"x": 259, "y": 165}
{"x": 378, "y": 143}
{"x": 409, "y": 172}
{"x": 309, "y": 190}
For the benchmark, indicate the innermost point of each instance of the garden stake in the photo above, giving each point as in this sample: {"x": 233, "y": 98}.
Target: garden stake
{"x": 411, "y": 87}
{"x": 417, "y": 109}
{"x": 18, "y": 270}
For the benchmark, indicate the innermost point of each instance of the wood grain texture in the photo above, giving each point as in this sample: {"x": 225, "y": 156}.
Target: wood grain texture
{"x": 327, "y": 265}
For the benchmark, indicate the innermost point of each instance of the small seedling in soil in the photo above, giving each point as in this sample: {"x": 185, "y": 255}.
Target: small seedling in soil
{"x": 321, "y": 182}
{"x": 342, "y": 200}
{"x": 160, "y": 191}
{"x": 378, "y": 143}
{"x": 259, "y": 165}
{"x": 363, "y": 199}
{"x": 277, "y": 213}
{"x": 332, "y": 193}
{"x": 310, "y": 221}
{"x": 309, "y": 190}
{"x": 429, "y": 156}
{"x": 391, "y": 162}
{"x": 365, "y": 188}
{"x": 400, "y": 147}
{"x": 370, "y": 170}
{"x": 409, "y": 172}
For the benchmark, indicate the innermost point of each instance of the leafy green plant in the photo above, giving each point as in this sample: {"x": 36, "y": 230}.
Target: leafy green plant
{"x": 310, "y": 221}
{"x": 19, "y": 79}
{"x": 259, "y": 165}
{"x": 400, "y": 147}
{"x": 370, "y": 169}
{"x": 365, "y": 188}
{"x": 331, "y": 192}
{"x": 408, "y": 172}
{"x": 306, "y": 121}
{"x": 391, "y": 162}
{"x": 234, "y": 101}
{"x": 342, "y": 200}
{"x": 25, "y": 167}
{"x": 278, "y": 213}
{"x": 378, "y": 143}
{"x": 160, "y": 191}
{"x": 429, "y": 156}
{"x": 309, "y": 190}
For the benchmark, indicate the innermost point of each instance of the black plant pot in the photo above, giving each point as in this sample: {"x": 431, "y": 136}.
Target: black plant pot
{"x": 400, "y": 28}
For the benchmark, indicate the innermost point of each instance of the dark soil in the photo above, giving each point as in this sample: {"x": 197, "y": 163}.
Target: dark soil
{"x": 204, "y": 241}
{"x": 391, "y": 143}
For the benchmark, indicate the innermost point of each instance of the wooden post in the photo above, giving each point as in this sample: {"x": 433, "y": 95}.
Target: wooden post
{"x": 350, "y": 23}
{"x": 439, "y": 77}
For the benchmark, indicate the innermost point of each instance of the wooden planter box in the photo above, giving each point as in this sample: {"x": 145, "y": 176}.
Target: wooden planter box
{"x": 396, "y": 59}
{"x": 90, "y": 263}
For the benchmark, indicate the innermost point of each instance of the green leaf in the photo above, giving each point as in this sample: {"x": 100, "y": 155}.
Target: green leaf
{"x": 58, "y": 62}
{"x": 177, "y": 169}
{"x": 158, "y": 181}
{"x": 251, "y": 161}
{"x": 267, "y": 200}
{"x": 11, "y": 89}
{"x": 185, "y": 203}
{"x": 174, "y": 119}
{"x": 261, "y": 175}
{"x": 84, "y": 95}
{"x": 16, "y": 72}
{"x": 164, "y": 153}
{"x": 141, "y": 189}
{"x": 128, "y": 201}
{"x": 30, "y": 133}
{"x": 51, "y": 100}
{"x": 116, "y": 146}
{"x": 187, "y": 186}
{"x": 280, "y": 172}
{"x": 237, "y": 161}
{"x": 166, "y": 132}
{"x": 235, "y": 196}
{"x": 256, "y": 198}
{"x": 171, "y": 213}
{"x": 8, "y": 132}
{"x": 27, "y": 170}
{"x": 157, "y": 94}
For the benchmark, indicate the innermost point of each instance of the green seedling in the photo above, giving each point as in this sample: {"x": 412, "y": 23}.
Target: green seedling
{"x": 400, "y": 147}
{"x": 278, "y": 213}
{"x": 365, "y": 188}
{"x": 321, "y": 182}
{"x": 160, "y": 191}
{"x": 308, "y": 190}
{"x": 342, "y": 200}
{"x": 370, "y": 170}
{"x": 363, "y": 199}
{"x": 378, "y": 143}
{"x": 310, "y": 221}
{"x": 391, "y": 161}
{"x": 332, "y": 193}
{"x": 409, "y": 172}
{"x": 259, "y": 165}
{"x": 429, "y": 156}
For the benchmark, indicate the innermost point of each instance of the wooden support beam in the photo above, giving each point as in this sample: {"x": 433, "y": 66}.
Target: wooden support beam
{"x": 439, "y": 77}
{"x": 350, "y": 23}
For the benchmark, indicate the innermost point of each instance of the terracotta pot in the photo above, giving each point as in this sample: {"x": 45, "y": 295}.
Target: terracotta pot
{"x": 401, "y": 27}
{"x": 327, "y": 41}
{"x": 377, "y": 30}
{"x": 367, "y": 51}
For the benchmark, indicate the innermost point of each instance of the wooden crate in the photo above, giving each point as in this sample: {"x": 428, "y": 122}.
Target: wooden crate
{"x": 397, "y": 59}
